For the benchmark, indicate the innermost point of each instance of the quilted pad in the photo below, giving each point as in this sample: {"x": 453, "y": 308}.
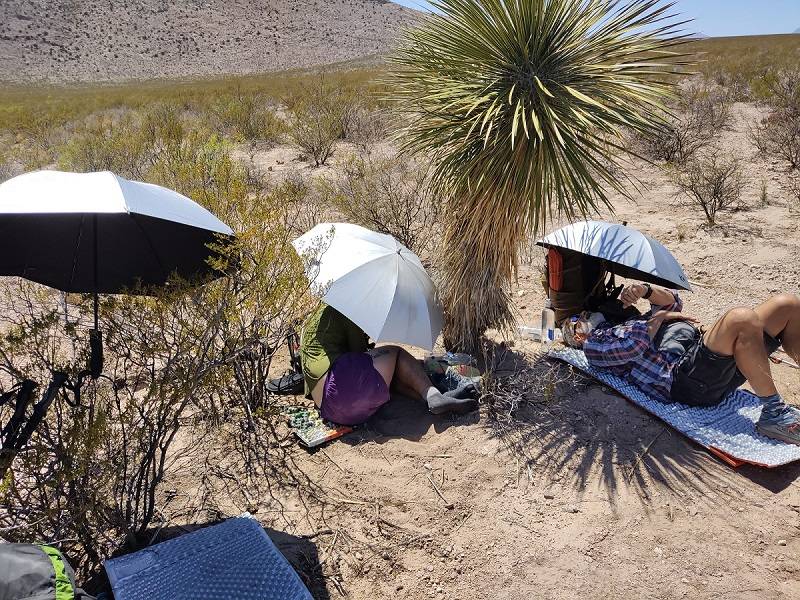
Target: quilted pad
{"x": 728, "y": 429}
{"x": 235, "y": 559}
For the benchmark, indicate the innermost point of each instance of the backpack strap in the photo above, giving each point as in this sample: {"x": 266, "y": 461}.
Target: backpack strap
{"x": 64, "y": 588}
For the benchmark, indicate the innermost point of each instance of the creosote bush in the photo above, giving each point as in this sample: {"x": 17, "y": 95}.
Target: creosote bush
{"x": 391, "y": 195}
{"x": 184, "y": 371}
{"x": 711, "y": 183}
{"x": 694, "y": 120}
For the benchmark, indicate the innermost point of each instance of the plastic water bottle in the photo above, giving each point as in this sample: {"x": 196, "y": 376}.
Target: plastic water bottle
{"x": 548, "y": 323}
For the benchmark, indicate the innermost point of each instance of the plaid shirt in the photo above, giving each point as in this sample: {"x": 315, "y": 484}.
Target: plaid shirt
{"x": 627, "y": 351}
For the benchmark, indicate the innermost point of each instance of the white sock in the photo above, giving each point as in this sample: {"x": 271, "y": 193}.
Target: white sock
{"x": 432, "y": 391}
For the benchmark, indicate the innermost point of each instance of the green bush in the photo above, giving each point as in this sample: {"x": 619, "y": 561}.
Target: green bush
{"x": 315, "y": 130}
{"x": 248, "y": 119}
{"x": 390, "y": 195}
{"x": 186, "y": 371}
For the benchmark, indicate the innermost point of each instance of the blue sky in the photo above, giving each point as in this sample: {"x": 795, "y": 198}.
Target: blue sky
{"x": 726, "y": 17}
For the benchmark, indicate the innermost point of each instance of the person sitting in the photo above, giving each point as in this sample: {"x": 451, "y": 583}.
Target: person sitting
{"x": 669, "y": 358}
{"x": 349, "y": 381}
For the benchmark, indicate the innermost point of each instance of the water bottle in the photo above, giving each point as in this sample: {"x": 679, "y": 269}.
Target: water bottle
{"x": 548, "y": 323}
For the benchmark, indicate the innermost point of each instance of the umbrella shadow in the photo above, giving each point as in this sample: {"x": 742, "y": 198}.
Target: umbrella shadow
{"x": 574, "y": 432}
{"x": 301, "y": 553}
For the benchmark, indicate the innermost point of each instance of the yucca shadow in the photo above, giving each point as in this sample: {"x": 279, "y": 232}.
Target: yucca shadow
{"x": 573, "y": 430}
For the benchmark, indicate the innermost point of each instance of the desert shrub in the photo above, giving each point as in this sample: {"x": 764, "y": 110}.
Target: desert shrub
{"x": 390, "y": 195}
{"x": 793, "y": 187}
{"x": 5, "y": 168}
{"x": 314, "y": 130}
{"x": 692, "y": 123}
{"x": 368, "y": 127}
{"x": 248, "y": 119}
{"x": 711, "y": 183}
{"x": 778, "y": 134}
{"x": 183, "y": 371}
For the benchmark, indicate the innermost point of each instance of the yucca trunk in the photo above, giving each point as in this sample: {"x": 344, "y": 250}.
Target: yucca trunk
{"x": 520, "y": 105}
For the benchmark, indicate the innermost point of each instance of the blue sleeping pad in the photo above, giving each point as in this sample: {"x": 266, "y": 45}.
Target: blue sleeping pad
{"x": 232, "y": 560}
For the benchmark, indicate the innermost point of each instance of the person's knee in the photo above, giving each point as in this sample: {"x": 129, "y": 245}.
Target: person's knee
{"x": 787, "y": 302}
{"x": 744, "y": 320}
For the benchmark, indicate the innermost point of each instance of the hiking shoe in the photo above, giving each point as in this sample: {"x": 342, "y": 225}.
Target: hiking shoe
{"x": 784, "y": 426}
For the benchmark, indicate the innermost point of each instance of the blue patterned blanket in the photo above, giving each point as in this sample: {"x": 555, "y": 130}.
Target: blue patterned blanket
{"x": 727, "y": 429}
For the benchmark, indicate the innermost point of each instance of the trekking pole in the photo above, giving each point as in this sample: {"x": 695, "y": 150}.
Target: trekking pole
{"x": 39, "y": 411}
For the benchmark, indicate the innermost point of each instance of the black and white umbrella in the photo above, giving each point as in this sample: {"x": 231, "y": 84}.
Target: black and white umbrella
{"x": 101, "y": 234}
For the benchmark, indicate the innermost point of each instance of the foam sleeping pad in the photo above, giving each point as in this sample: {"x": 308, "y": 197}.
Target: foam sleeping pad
{"x": 728, "y": 430}
{"x": 235, "y": 559}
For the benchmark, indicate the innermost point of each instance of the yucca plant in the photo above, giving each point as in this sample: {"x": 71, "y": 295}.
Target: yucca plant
{"x": 520, "y": 105}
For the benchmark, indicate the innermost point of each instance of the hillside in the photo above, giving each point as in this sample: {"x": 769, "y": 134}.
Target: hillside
{"x": 115, "y": 40}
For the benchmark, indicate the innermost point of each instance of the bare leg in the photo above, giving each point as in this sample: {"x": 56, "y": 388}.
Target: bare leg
{"x": 384, "y": 359}
{"x": 401, "y": 370}
{"x": 740, "y": 333}
{"x": 781, "y": 317}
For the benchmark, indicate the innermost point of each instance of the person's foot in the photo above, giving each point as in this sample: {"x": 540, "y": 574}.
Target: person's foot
{"x": 439, "y": 404}
{"x": 465, "y": 390}
{"x": 783, "y": 424}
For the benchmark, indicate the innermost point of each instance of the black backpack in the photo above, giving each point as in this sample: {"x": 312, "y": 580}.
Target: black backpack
{"x": 33, "y": 572}
{"x": 576, "y": 282}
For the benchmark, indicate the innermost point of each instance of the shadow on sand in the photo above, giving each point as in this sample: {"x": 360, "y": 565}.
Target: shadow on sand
{"x": 406, "y": 418}
{"x": 300, "y": 551}
{"x": 568, "y": 428}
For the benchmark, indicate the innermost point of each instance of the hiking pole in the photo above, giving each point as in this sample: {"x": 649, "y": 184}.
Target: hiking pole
{"x": 40, "y": 409}
{"x": 784, "y": 361}
{"x": 11, "y": 431}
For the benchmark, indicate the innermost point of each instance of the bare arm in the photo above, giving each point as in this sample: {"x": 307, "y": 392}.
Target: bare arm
{"x": 660, "y": 297}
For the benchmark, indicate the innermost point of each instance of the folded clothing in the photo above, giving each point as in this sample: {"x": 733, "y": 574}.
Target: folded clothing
{"x": 727, "y": 429}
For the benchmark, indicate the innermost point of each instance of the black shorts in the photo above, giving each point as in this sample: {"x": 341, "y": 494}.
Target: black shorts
{"x": 704, "y": 378}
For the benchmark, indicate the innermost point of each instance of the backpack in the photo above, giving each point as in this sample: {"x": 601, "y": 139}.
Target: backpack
{"x": 576, "y": 282}
{"x": 33, "y": 572}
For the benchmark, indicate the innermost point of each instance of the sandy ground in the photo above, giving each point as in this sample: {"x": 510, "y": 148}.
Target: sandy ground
{"x": 581, "y": 495}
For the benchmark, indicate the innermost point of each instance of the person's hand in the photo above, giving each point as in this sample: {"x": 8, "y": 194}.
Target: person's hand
{"x": 631, "y": 294}
{"x": 665, "y": 316}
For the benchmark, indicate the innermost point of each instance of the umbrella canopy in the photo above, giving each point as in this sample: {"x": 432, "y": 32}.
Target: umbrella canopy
{"x": 98, "y": 232}
{"x": 373, "y": 280}
{"x": 629, "y": 253}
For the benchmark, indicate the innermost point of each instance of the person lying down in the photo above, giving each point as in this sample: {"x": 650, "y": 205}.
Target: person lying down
{"x": 668, "y": 357}
{"x": 349, "y": 381}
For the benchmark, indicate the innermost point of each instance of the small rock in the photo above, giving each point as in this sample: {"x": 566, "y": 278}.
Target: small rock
{"x": 399, "y": 587}
{"x": 573, "y": 510}
{"x": 520, "y": 293}
{"x": 428, "y": 466}
{"x": 658, "y": 551}
{"x": 549, "y": 496}
{"x": 684, "y": 580}
{"x": 359, "y": 556}
{"x": 781, "y": 542}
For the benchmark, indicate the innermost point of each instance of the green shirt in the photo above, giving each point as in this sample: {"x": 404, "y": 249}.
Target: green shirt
{"x": 327, "y": 334}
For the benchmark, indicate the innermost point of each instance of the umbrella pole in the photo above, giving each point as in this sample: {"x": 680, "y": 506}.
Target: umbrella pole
{"x": 95, "y": 336}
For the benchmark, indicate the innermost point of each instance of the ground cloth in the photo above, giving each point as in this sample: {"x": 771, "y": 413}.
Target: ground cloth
{"x": 235, "y": 559}
{"x": 728, "y": 429}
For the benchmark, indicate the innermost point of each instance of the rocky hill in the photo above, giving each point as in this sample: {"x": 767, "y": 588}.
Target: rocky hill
{"x": 115, "y": 40}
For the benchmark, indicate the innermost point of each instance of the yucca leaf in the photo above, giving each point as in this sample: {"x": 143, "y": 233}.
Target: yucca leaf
{"x": 473, "y": 71}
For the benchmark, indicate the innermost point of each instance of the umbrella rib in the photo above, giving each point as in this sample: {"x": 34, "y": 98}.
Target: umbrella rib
{"x": 150, "y": 244}
{"x": 75, "y": 255}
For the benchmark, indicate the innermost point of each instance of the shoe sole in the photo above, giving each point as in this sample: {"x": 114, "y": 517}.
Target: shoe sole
{"x": 777, "y": 435}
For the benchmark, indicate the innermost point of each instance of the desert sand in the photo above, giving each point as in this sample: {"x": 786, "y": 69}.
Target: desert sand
{"x": 578, "y": 494}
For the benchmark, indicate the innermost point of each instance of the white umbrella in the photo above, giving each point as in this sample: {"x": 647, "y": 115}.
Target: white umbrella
{"x": 628, "y": 252}
{"x": 374, "y": 281}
